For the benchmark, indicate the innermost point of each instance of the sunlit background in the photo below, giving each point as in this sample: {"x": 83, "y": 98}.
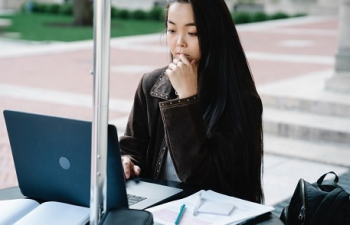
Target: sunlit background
{"x": 298, "y": 51}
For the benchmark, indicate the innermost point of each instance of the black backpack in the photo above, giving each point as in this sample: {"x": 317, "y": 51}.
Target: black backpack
{"x": 320, "y": 203}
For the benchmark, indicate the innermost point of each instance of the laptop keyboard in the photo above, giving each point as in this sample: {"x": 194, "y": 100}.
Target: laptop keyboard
{"x": 133, "y": 199}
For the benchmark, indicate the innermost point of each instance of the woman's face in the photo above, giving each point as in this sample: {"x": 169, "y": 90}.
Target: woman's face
{"x": 182, "y": 32}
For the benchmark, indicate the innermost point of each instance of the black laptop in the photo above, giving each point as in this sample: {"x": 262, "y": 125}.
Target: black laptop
{"x": 52, "y": 158}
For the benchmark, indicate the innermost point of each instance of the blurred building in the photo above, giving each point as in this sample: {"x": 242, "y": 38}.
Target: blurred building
{"x": 312, "y": 7}
{"x": 137, "y": 4}
{"x": 17, "y": 4}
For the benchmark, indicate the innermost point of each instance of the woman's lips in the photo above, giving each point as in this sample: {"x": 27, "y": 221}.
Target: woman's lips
{"x": 182, "y": 54}
{"x": 186, "y": 55}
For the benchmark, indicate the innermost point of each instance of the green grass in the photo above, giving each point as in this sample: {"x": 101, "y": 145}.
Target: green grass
{"x": 48, "y": 27}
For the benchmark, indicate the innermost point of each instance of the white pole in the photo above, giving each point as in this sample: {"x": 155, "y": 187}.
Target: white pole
{"x": 102, "y": 20}
{"x": 340, "y": 81}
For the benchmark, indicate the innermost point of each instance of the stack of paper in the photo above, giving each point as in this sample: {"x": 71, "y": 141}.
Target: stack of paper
{"x": 214, "y": 208}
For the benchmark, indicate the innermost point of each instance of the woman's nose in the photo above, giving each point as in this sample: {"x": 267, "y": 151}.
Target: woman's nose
{"x": 180, "y": 41}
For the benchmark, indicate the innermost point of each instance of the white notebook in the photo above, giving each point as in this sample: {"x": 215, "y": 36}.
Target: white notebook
{"x": 28, "y": 211}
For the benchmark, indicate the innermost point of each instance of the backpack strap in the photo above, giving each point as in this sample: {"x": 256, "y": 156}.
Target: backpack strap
{"x": 320, "y": 180}
{"x": 331, "y": 203}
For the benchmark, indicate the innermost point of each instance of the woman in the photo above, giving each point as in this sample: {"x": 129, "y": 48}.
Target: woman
{"x": 198, "y": 120}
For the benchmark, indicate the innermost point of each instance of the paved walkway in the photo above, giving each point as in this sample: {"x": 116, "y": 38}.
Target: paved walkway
{"x": 54, "y": 79}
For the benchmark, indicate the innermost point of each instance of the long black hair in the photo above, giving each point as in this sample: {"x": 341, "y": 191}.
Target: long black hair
{"x": 227, "y": 92}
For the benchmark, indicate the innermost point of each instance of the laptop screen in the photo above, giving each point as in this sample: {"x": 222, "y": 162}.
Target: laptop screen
{"x": 52, "y": 157}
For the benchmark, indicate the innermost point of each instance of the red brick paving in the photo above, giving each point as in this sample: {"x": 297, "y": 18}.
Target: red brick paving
{"x": 265, "y": 71}
{"x": 330, "y": 24}
{"x": 322, "y": 45}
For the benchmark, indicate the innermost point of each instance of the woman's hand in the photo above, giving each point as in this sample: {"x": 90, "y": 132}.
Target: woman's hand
{"x": 183, "y": 76}
{"x": 130, "y": 169}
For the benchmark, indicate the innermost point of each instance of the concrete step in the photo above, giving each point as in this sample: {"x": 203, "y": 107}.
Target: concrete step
{"x": 335, "y": 154}
{"x": 306, "y": 126}
{"x": 307, "y": 94}
{"x": 325, "y": 7}
{"x": 324, "y": 106}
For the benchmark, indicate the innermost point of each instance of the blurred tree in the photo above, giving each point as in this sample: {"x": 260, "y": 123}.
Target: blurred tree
{"x": 82, "y": 11}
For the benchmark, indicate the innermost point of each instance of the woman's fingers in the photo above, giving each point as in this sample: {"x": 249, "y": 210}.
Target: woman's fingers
{"x": 175, "y": 61}
{"x": 130, "y": 169}
{"x": 178, "y": 62}
{"x": 172, "y": 66}
{"x": 137, "y": 170}
{"x": 184, "y": 59}
{"x": 126, "y": 166}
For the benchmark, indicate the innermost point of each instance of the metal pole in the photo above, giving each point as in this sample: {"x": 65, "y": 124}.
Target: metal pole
{"x": 102, "y": 20}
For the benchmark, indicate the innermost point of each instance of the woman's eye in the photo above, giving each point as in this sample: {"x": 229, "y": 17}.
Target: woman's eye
{"x": 192, "y": 34}
{"x": 171, "y": 31}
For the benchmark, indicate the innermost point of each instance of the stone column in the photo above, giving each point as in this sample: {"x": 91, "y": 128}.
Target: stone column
{"x": 340, "y": 81}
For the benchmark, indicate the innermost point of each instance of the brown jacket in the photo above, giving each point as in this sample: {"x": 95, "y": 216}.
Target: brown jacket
{"x": 159, "y": 123}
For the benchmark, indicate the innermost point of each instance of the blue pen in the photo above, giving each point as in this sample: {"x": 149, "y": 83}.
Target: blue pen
{"x": 179, "y": 216}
